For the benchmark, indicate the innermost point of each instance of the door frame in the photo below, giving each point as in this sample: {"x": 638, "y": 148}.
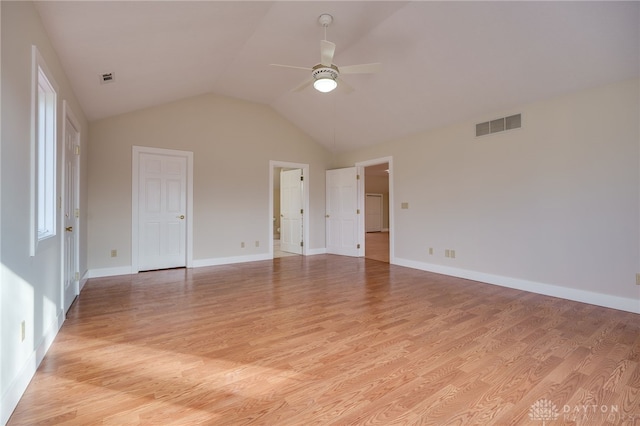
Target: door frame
{"x": 273, "y": 164}
{"x": 361, "y": 202}
{"x": 68, "y": 114}
{"x": 293, "y": 247}
{"x": 135, "y": 203}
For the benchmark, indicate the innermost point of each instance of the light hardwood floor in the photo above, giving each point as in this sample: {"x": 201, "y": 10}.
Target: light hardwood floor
{"x": 332, "y": 340}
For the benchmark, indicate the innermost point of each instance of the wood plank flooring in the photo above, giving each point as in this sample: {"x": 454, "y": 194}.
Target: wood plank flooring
{"x": 329, "y": 340}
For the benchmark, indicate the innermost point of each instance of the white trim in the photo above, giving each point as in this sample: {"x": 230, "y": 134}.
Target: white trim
{"x": 67, "y": 113}
{"x": 18, "y": 386}
{"x": 584, "y": 296}
{"x": 36, "y": 242}
{"x": 109, "y": 272}
{"x": 305, "y": 217}
{"x": 361, "y": 165}
{"x": 83, "y": 280}
{"x": 313, "y": 252}
{"x": 232, "y": 259}
{"x": 198, "y": 263}
{"x": 136, "y": 151}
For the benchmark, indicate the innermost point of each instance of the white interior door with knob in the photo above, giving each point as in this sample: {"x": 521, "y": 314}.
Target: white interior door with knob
{"x": 162, "y": 210}
{"x": 70, "y": 209}
{"x": 342, "y": 212}
{"x": 291, "y": 210}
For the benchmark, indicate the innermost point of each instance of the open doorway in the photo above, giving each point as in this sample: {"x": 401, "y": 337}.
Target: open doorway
{"x": 289, "y": 201}
{"x": 376, "y": 212}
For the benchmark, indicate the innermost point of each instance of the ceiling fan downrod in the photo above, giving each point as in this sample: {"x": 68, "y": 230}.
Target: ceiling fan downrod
{"x": 325, "y": 20}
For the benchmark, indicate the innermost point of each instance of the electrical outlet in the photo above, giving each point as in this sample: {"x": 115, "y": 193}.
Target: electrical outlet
{"x": 430, "y": 250}
{"x": 453, "y": 254}
{"x": 638, "y": 279}
{"x": 23, "y": 331}
{"x": 447, "y": 253}
{"x": 242, "y": 244}
{"x": 257, "y": 243}
{"x": 114, "y": 253}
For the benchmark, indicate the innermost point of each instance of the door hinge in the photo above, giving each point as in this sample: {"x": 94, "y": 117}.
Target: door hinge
{"x": 358, "y": 246}
{"x": 76, "y": 149}
{"x": 301, "y": 244}
{"x": 301, "y": 211}
{"x": 302, "y": 178}
{"x": 357, "y": 177}
{"x": 77, "y": 276}
{"x": 358, "y": 211}
{"x": 76, "y": 213}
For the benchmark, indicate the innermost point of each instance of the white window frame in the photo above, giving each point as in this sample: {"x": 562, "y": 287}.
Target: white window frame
{"x": 44, "y": 141}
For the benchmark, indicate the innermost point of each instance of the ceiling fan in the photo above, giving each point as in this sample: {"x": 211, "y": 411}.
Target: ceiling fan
{"x": 326, "y": 75}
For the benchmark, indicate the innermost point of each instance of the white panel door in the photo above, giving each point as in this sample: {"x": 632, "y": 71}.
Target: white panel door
{"x": 291, "y": 211}
{"x": 162, "y": 195}
{"x": 373, "y": 212}
{"x": 342, "y": 212}
{"x": 70, "y": 212}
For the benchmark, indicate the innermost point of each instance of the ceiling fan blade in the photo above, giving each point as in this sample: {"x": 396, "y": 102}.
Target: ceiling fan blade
{"x": 361, "y": 69}
{"x": 344, "y": 87}
{"x": 292, "y": 66}
{"x": 327, "y": 49}
{"x": 302, "y": 85}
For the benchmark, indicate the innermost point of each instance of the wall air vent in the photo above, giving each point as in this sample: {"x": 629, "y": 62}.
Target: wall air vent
{"x": 499, "y": 125}
{"x": 107, "y": 77}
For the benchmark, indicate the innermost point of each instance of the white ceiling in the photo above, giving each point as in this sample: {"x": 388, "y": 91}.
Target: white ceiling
{"x": 442, "y": 61}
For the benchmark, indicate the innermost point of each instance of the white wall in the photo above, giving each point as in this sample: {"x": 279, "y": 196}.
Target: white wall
{"x": 232, "y": 141}
{"x": 30, "y": 286}
{"x": 552, "y": 207}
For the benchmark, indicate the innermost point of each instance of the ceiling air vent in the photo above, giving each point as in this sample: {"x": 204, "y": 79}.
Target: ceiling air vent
{"x": 107, "y": 77}
{"x": 499, "y": 125}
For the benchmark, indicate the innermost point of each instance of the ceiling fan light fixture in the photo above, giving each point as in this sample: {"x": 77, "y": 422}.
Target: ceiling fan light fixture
{"x": 324, "y": 78}
{"x": 325, "y": 84}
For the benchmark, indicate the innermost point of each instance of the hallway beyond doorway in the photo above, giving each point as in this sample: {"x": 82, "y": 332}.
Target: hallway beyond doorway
{"x": 377, "y": 246}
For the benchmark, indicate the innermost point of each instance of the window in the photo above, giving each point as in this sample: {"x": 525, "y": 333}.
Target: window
{"x": 43, "y": 152}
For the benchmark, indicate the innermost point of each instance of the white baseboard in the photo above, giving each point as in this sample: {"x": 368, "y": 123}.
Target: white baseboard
{"x": 584, "y": 296}
{"x": 108, "y": 272}
{"x": 16, "y": 389}
{"x": 231, "y": 259}
{"x": 313, "y": 252}
{"x": 197, "y": 263}
{"x": 83, "y": 281}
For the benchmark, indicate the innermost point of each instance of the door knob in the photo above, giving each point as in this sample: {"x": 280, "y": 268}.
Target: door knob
{"x": 326, "y": 215}
{"x": 181, "y": 216}
{"x": 69, "y": 229}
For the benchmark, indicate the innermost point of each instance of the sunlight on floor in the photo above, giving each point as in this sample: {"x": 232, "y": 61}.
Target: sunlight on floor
{"x": 155, "y": 383}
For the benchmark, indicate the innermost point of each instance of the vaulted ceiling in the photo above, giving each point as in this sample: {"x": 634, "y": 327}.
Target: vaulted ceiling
{"x": 442, "y": 62}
